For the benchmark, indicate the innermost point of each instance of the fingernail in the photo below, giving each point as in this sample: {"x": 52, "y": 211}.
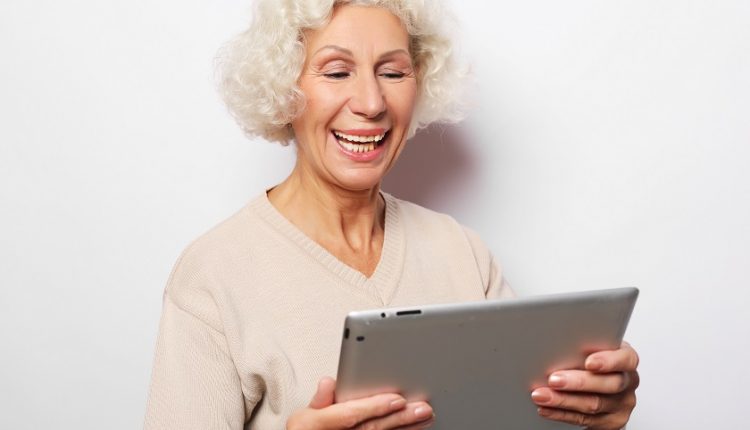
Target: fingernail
{"x": 540, "y": 397}
{"x": 422, "y": 412}
{"x": 398, "y": 404}
{"x": 557, "y": 381}
{"x": 594, "y": 364}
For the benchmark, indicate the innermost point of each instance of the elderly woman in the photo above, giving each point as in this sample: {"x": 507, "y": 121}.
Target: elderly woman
{"x": 253, "y": 311}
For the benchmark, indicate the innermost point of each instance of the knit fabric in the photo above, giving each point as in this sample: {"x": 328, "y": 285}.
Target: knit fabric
{"x": 253, "y": 312}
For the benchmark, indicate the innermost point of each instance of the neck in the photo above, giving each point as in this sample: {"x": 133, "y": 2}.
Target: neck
{"x": 339, "y": 219}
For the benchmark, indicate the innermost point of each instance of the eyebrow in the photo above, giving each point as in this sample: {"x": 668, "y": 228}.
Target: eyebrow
{"x": 394, "y": 52}
{"x": 335, "y": 48}
{"x": 351, "y": 54}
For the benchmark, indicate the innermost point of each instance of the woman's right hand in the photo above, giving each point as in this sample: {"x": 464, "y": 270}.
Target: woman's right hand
{"x": 378, "y": 412}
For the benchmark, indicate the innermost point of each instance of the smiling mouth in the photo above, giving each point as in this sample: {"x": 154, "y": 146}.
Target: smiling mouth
{"x": 360, "y": 143}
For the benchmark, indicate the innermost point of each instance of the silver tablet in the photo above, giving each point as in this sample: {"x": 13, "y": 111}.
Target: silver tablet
{"x": 476, "y": 363}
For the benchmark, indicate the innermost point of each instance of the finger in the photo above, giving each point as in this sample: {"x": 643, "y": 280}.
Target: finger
{"x": 325, "y": 394}
{"x": 420, "y": 425}
{"x": 570, "y": 417}
{"x": 591, "y": 404}
{"x": 414, "y": 414}
{"x": 623, "y": 359}
{"x": 614, "y": 421}
{"x": 354, "y": 412}
{"x": 635, "y": 380}
{"x": 582, "y": 380}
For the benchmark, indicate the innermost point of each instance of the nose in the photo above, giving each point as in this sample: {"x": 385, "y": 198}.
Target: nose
{"x": 368, "y": 99}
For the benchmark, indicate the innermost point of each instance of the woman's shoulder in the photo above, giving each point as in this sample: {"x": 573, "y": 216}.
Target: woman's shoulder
{"x": 217, "y": 253}
{"x": 442, "y": 238}
{"x": 437, "y": 223}
{"x": 439, "y": 229}
{"x": 223, "y": 239}
{"x": 413, "y": 213}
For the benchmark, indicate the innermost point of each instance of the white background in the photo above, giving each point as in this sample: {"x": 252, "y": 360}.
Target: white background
{"x": 608, "y": 144}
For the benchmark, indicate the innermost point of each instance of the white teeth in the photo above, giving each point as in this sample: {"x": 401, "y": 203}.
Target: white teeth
{"x": 355, "y": 147}
{"x": 364, "y": 143}
{"x": 361, "y": 139}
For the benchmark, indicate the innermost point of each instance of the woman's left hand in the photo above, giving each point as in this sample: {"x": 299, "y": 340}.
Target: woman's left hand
{"x": 601, "y": 397}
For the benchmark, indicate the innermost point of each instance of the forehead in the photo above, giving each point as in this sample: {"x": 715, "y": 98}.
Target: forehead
{"x": 360, "y": 29}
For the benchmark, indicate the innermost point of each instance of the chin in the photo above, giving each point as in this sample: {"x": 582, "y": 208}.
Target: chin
{"x": 359, "y": 181}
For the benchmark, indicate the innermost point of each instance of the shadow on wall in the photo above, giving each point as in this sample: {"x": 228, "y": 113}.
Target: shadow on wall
{"x": 437, "y": 169}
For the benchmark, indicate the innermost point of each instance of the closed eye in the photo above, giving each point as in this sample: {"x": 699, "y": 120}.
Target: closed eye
{"x": 393, "y": 75}
{"x": 337, "y": 75}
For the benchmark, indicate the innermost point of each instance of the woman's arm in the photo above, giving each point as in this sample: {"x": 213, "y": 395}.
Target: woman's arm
{"x": 194, "y": 383}
{"x": 493, "y": 282}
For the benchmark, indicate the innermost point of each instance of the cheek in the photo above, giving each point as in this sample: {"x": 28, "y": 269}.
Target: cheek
{"x": 321, "y": 103}
{"x": 403, "y": 102}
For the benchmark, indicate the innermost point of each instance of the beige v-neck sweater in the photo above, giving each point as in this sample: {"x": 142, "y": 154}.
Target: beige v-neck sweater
{"x": 254, "y": 309}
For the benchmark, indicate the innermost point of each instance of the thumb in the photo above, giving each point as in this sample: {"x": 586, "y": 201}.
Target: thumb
{"x": 325, "y": 394}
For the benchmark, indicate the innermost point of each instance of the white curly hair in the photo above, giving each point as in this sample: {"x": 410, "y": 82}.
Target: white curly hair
{"x": 258, "y": 70}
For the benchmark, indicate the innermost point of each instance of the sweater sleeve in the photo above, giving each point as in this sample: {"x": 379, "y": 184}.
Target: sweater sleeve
{"x": 498, "y": 287}
{"x": 495, "y": 284}
{"x": 194, "y": 382}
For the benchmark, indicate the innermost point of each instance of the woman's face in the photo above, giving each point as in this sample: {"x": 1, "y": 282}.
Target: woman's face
{"x": 360, "y": 87}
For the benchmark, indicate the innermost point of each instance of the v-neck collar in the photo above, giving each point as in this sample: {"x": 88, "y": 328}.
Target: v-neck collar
{"x": 381, "y": 286}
